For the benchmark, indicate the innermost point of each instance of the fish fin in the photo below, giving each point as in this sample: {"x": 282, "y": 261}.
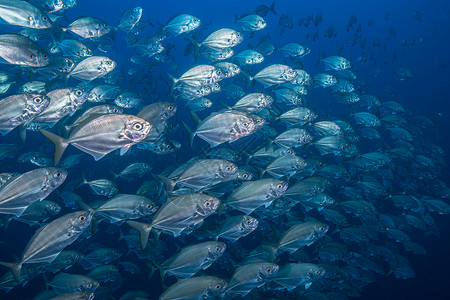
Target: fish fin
{"x": 4, "y": 132}
{"x": 212, "y": 144}
{"x": 14, "y": 267}
{"x": 271, "y": 250}
{"x": 272, "y": 8}
{"x": 124, "y": 150}
{"x": 144, "y": 230}
{"x": 307, "y": 285}
{"x": 60, "y": 144}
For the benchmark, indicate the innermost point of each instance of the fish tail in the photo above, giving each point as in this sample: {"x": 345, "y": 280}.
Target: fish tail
{"x": 196, "y": 47}
{"x": 153, "y": 266}
{"x": 114, "y": 174}
{"x": 271, "y": 250}
{"x": 66, "y": 79}
{"x": 149, "y": 22}
{"x": 191, "y": 135}
{"x": 248, "y": 156}
{"x": 221, "y": 208}
{"x": 172, "y": 82}
{"x": 272, "y": 8}
{"x": 83, "y": 180}
{"x": 261, "y": 172}
{"x": 247, "y": 77}
{"x": 84, "y": 206}
{"x": 144, "y": 230}
{"x": 60, "y": 144}
{"x": 22, "y": 133}
{"x": 14, "y": 267}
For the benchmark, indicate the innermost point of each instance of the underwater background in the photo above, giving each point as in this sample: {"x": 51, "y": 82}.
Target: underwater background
{"x": 398, "y": 51}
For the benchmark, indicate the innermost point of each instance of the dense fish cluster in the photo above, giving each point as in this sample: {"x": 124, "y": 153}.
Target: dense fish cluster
{"x": 240, "y": 174}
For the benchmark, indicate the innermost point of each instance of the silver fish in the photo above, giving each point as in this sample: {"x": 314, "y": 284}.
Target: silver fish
{"x": 192, "y": 259}
{"x": 20, "y": 109}
{"x": 88, "y": 27}
{"x": 19, "y": 50}
{"x": 18, "y": 193}
{"x": 181, "y": 24}
{"x": 202, "y": 287}
{"x": 101, "y": 135}
{"x": 51, "y": 239}
{"x": 92, "y": 67}
{"x": 177, "y": 214}
{"x": 21, "y": 13}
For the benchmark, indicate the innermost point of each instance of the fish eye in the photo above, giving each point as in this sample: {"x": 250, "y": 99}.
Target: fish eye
{"x": 268, "y": 269}
{"x": 82, "y": 218}
{"x": 105, "y": 25}
{"x": 45, "y": 55}
{"x": 57, "y": 174}
{"x": 37, "y": 100}
{"x": 280, "y": 186}
{"x": 249, "y": 222}
{"x": 79, "y": 92}
{"x": 170, "y": 107}
{"x": 149, "y": 205}
{"x": 217, "y": 249}
{"x": 322, "y": 228}
{"x": 218, "y": 286}
{"x": 115, "y": 110}
{"x": 44, "y": 18}
{"x": 89, "y": 285}
{"x": 228, "y": 168}
{"x": 245, "y": 175}
{"x": 208, "y": 203}
{"x": 138, "y": 126}
{"x": 317, "y": 272}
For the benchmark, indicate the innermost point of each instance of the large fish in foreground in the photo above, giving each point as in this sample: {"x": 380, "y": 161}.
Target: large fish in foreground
{"x": 21, "y": 13}
{"x": 17, "y": 49}
{"x": 20, "y": 192}
{"x": 51, "y": 239}
{"x": 20, "y": 109}
{"x": 101, "y": 135}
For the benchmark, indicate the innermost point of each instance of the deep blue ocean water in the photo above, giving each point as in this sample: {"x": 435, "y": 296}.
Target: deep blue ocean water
{"x": 426, "y": 93}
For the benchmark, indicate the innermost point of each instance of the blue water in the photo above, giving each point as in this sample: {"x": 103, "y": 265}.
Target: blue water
{"x": 426, "y": 93}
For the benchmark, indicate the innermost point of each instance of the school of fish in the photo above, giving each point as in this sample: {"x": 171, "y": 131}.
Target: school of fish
{"x": 241, "y": 176}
